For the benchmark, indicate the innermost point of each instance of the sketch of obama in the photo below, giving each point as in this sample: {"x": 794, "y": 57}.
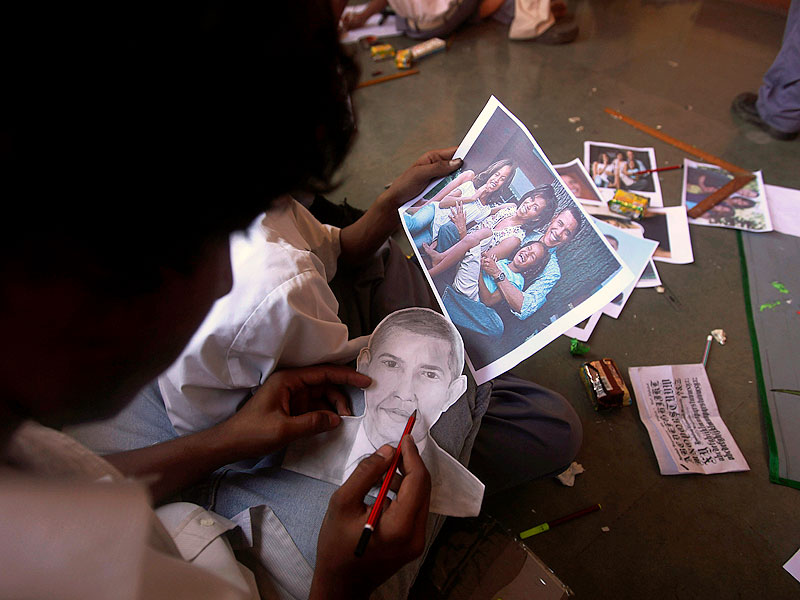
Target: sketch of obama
{"x": 415, "y": 358}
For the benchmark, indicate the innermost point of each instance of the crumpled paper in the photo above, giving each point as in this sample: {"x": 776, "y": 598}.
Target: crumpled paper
{"x": 719, "y": 335}
{"x": 568, "y": 476}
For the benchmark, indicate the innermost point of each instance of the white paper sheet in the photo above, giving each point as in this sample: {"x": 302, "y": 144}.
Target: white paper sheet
{"x": 678, "y": 409}
{"x": 415, "y": 358}
{"x": 373, "y": 27}
{"x": 784, "y": 208}
{"x": 793, "y": 565}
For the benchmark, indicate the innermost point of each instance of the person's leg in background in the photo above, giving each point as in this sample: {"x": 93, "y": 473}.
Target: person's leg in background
{"x": 776, "y": 107}
{"x": 543, "y": 21}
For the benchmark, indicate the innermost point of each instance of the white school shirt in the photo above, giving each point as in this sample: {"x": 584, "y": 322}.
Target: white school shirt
{"x": 72, "y": 527}
{"x": 280, "y": 313}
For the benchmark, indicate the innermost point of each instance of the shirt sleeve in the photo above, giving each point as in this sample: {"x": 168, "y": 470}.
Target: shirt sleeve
{"x": 536, "y": 294}
{"x": 321, "y": 239}
{"x": 297, "y": 325}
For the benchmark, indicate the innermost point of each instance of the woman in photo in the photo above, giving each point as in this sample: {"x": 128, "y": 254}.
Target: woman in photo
{"x": 485, "y": 187}
{"x": 604, "y": 171}
{"x": 481, "y": 194}
{"x": 502, "y": 233}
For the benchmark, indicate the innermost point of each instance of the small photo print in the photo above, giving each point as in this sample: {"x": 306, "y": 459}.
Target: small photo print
{"x": 745, "y": 209}
{"x": 615, "y": 167}
{"x": 574, "y": 176}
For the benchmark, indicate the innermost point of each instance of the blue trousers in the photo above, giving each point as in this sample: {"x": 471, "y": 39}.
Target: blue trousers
{"x": 779, "y": 95}
{"x": 419, "y": 224}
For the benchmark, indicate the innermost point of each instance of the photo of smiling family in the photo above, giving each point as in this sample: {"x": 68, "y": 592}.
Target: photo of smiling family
{"x": 511, "y": 255}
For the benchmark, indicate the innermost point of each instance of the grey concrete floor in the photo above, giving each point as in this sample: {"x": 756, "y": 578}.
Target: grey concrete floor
{"x": 677, "y": 65}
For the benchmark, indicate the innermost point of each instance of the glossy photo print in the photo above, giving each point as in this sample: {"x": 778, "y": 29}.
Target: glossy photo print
{"x": 511, "y": 255}
{"x": 615, "y": 167}
{"x": 746, "y": 209}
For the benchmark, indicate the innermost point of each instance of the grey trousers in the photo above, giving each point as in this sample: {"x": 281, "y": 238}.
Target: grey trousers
{"x": 779, "y": 95}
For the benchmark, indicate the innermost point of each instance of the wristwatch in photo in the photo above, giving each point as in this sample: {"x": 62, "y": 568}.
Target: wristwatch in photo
{"x": 499, "y": 278}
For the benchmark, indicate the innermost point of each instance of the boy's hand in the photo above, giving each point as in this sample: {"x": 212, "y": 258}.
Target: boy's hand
{"x": 399, "y": 535}
{"x": 431, "y": 165}
{"x": 291, "y": 404}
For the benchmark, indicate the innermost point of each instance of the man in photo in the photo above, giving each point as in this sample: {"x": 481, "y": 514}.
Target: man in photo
{"x": 415, "y": 358}
{"x": 632, "y": 174}
{"x": 563, "y": 228}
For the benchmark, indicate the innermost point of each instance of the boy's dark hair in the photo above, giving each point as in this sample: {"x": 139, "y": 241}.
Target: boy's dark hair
{"x": 137, "y": 131}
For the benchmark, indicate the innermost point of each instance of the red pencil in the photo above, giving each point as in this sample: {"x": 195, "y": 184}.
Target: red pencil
{"x": 372, "y": 520}
{"x": 659, "y": 169}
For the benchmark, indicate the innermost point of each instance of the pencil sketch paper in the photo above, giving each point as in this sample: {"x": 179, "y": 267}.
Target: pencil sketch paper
{"x": 615, "y": 167}
{"x": 510, "y": 254}
{"x": 415, "y": 358}
{"x": 745, "y": 209}
{"x": 678, "y": 409}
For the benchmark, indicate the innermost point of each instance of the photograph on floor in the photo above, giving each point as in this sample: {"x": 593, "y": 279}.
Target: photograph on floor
{"x": 512, "y": 257}
{"x": 415, "y": 358}
{"x": 636, "y": 251}
{"x": 745, "y": 209}
{"x": 615, "y": 167}
{"x": 583, "y": 330}
{"x": 575, "y": 177}
{"x": 668, "y": 226}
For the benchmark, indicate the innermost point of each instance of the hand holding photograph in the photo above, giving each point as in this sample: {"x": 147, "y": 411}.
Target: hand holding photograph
{"x": 510, "y": 254}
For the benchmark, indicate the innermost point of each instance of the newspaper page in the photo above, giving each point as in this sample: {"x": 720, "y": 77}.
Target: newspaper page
{"x": 678, "y": 409}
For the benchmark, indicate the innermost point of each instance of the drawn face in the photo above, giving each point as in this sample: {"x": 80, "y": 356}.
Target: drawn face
{"x": 498, "y": 178}
{"x": 561, "y": 229}
{"x": 531, "y": 207}
{"x": 528, "y": 256}
{"x": 411, "y": 372}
